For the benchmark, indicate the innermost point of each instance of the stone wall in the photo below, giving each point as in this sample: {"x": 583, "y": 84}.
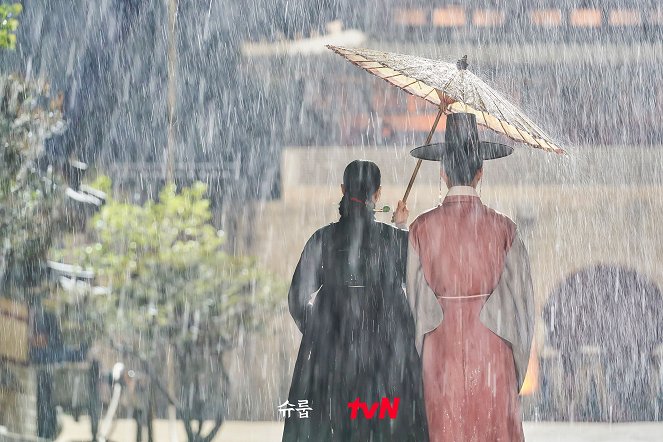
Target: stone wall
{"x": 596, "y": 205}
{"x": 18, "y": 399}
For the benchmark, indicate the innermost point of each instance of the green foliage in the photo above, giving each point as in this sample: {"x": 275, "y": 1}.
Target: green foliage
{"x": 102, "y": 183}
{"x": 168, "y": 275}
{"x": 171, "y": 286}
{"x": 9, "y": 24}
{"x": 30, "y": 200}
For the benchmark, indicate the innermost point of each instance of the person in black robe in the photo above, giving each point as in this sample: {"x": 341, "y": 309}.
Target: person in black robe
{"x": 347, "y": 299}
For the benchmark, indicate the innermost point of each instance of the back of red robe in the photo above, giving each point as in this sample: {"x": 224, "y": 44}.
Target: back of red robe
{"x": 470, "y": 385}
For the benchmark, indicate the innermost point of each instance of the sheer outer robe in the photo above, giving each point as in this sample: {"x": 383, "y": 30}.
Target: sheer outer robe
{"x": 356, "y": 342}
{"x": 508, "y": 312}
{"x": 307, "y": 280}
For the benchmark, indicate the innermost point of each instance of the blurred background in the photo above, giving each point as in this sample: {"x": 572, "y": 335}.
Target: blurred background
{"x": 165, "y": 162}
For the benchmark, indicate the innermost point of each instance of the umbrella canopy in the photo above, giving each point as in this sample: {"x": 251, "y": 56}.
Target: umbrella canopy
{"x": 454, "y": 89}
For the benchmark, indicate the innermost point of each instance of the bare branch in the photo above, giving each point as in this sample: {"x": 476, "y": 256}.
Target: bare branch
{"x": 146, "y": 366}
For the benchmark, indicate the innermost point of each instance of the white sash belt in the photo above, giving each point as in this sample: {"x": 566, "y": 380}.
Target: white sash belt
{"x": 464, "y": 297}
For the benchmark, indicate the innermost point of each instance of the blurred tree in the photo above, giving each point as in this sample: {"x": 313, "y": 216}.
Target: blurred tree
{"x": 31, "y": 199}
{"x": 9, "y": 24}
{"x": 171, "y": 286}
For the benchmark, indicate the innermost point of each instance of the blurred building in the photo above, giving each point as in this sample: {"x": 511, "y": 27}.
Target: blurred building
{"x": 589, "y": 72}
{"x": 34, "y": 342}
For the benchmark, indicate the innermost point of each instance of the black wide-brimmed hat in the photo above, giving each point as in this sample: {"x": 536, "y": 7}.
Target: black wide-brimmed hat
{"x": 461, "y": 138}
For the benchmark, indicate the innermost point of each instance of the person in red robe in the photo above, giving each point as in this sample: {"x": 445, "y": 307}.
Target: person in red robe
{"x": 470, "y": 291}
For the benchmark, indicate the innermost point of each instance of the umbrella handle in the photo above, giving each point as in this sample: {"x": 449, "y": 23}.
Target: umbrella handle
{"x": 416, "y": 168}
{"x": 412, "y": 178}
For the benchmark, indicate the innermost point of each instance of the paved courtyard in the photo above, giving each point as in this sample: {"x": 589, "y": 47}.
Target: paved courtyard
{"x": 236, "y": 431}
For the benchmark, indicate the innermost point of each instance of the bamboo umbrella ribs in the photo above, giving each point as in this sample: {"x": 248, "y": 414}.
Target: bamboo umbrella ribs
{"x": 454, "y": 89}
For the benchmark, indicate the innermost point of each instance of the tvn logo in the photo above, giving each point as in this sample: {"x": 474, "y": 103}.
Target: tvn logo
{"x": 384, "y": 406}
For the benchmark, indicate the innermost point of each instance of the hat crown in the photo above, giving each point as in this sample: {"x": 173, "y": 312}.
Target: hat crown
{"x": 462, "y": 143}
{"x": 462, "y": 134}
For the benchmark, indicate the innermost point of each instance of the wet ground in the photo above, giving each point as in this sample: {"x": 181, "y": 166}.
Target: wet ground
{"x": 236, "y": 431}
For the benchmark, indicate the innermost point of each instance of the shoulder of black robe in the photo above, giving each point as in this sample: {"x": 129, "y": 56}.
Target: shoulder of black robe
{"x": 307, "y": 279}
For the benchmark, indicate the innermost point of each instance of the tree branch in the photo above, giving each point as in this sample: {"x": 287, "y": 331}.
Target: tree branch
{"x": 219, "y": 420}
{"x": 146, "y": 366}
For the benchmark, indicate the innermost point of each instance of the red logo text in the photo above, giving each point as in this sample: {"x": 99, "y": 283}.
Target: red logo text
{"x": 384, "y": 406}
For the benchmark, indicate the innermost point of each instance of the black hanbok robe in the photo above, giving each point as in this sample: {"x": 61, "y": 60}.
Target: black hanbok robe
{"x": 358, "y": 337}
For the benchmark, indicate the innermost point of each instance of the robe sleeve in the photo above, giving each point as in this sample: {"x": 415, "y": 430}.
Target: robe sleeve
{"x": 509, "y": 311}
{"x": 306, "y": 280}
{"x": 402, "y": 252}
{"x": 426, "y": 309}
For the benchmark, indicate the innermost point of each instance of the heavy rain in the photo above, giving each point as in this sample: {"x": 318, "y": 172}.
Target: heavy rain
{"x": 190, "y": 252}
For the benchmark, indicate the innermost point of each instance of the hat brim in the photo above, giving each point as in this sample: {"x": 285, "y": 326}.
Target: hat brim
{"x": 437, "y": 151}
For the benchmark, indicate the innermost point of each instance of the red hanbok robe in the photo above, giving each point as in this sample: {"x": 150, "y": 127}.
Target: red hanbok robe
{"x": 470, "y": 290}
